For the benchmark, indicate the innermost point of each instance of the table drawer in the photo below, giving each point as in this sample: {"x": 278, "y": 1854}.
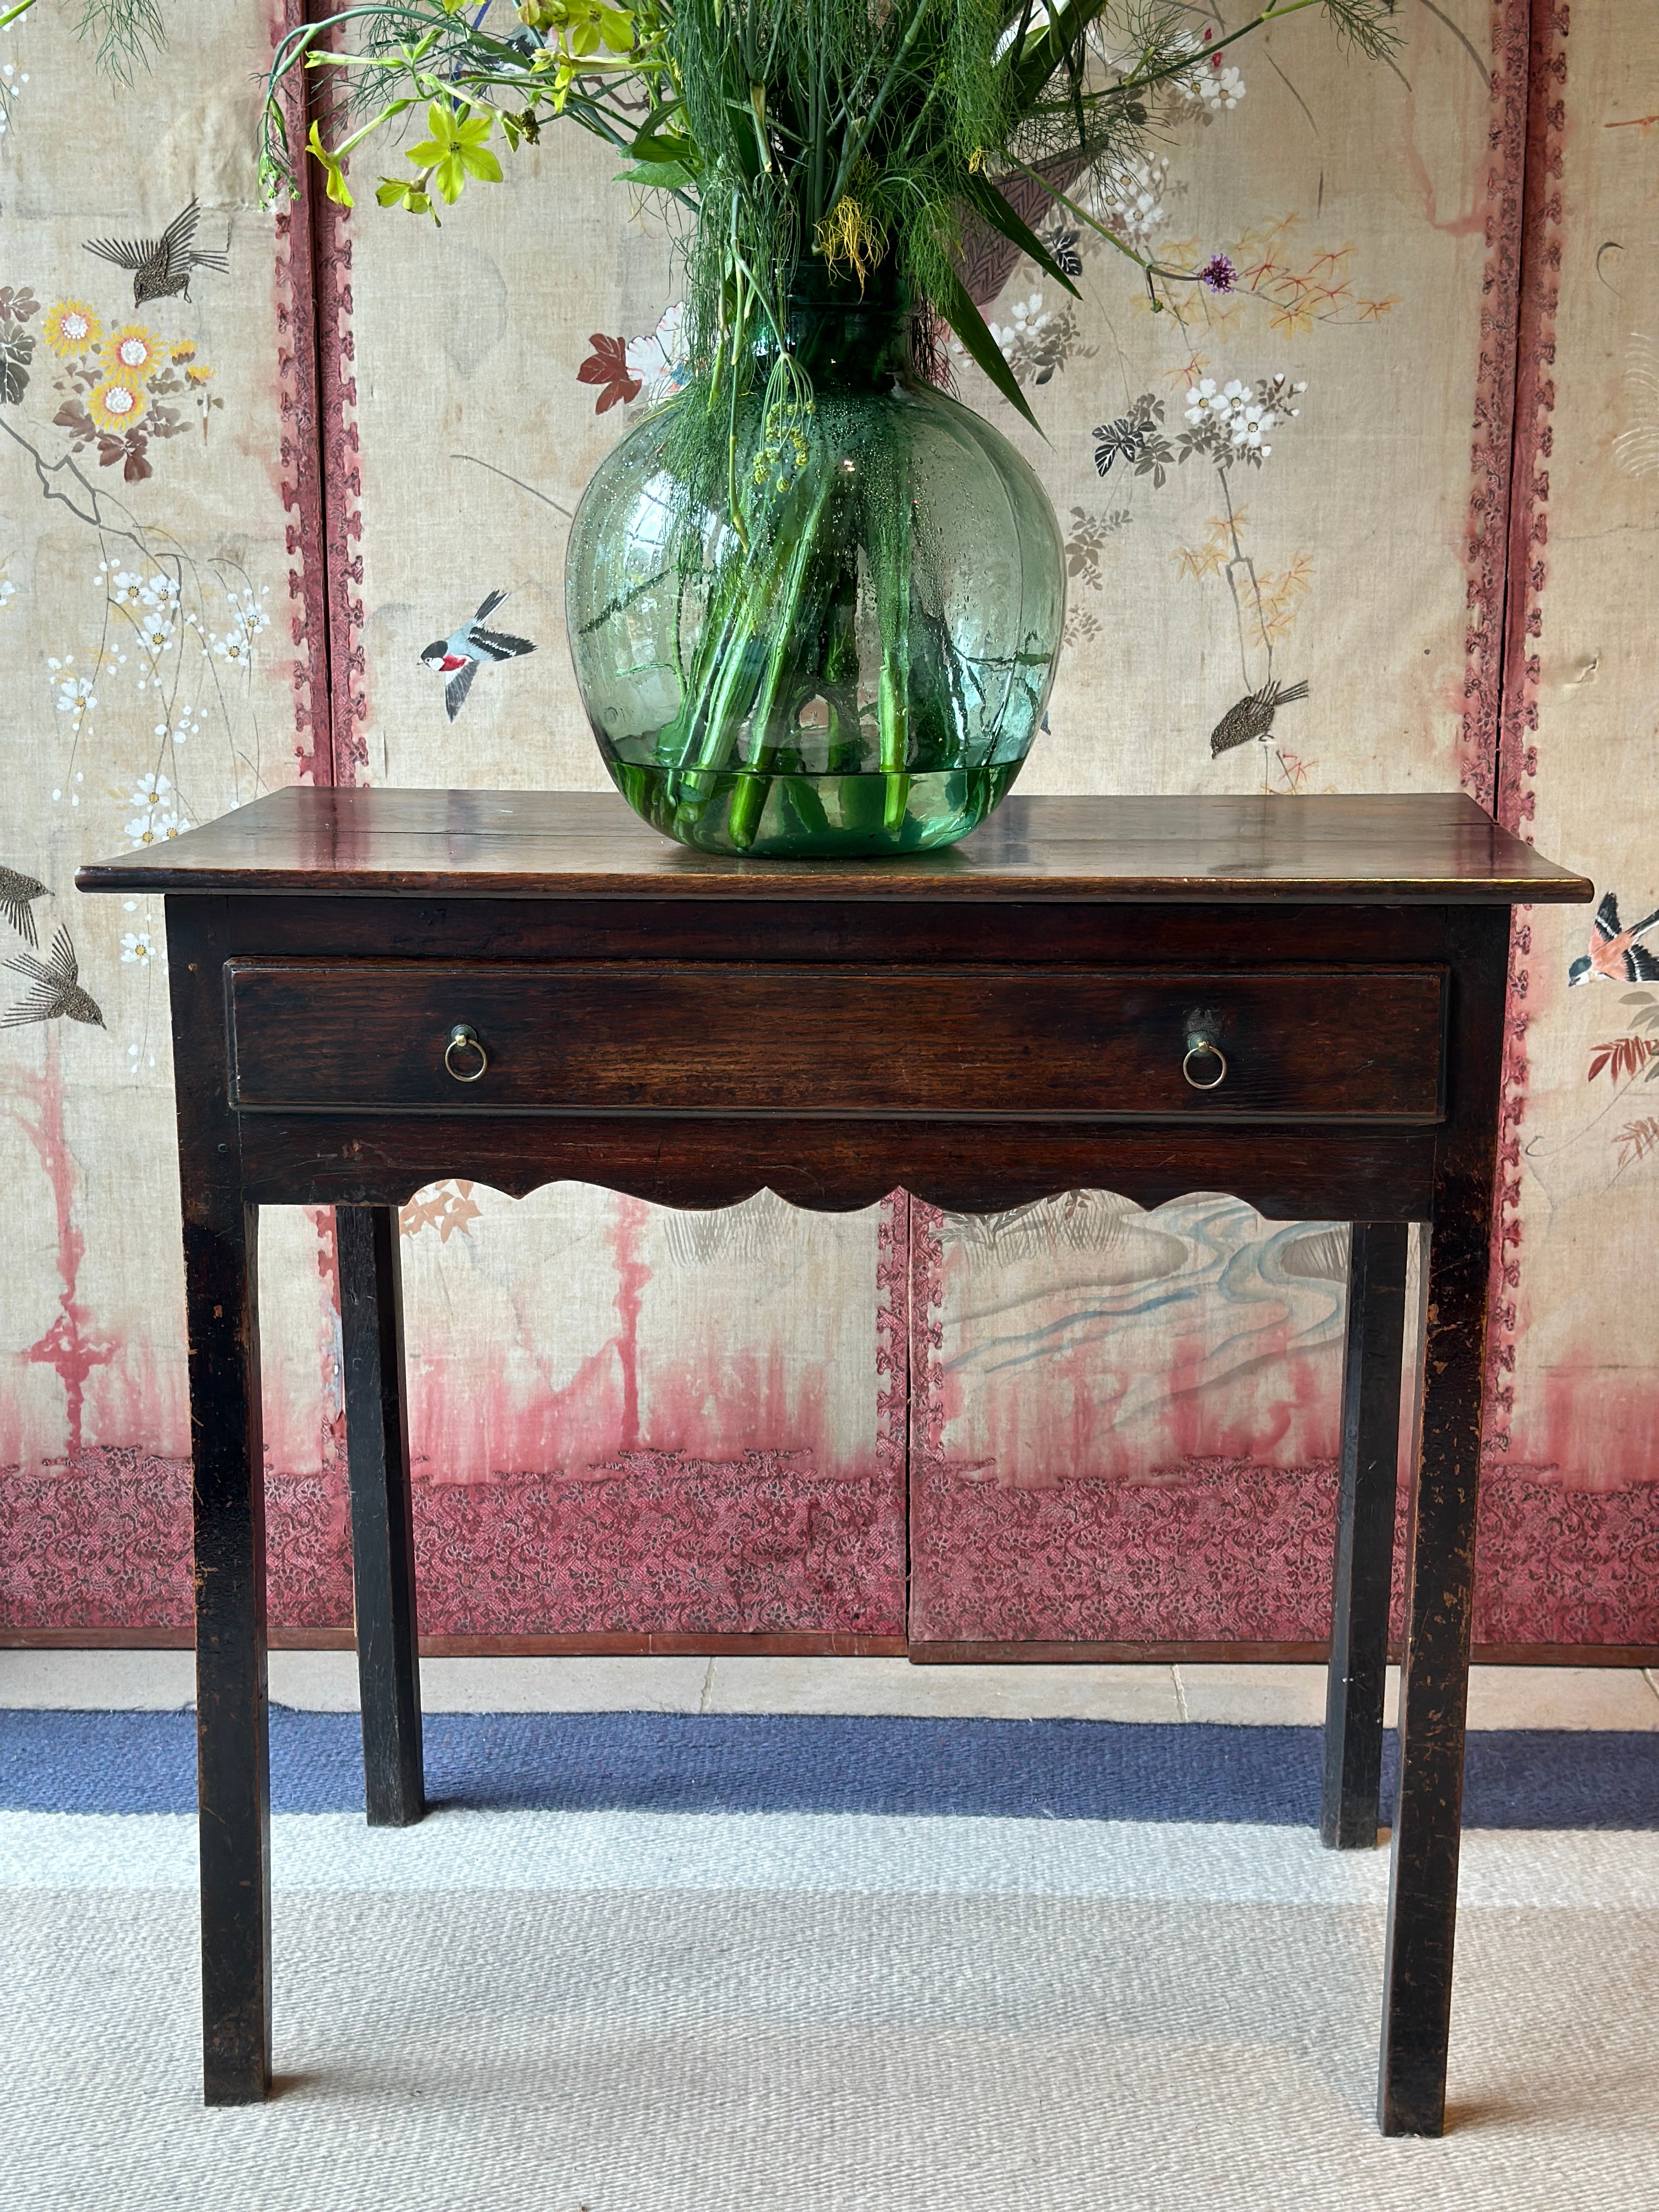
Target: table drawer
{"x": 624, "y": 1037}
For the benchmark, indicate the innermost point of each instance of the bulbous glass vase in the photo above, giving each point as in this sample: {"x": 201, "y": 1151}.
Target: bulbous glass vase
{"x": 843, "y": 647}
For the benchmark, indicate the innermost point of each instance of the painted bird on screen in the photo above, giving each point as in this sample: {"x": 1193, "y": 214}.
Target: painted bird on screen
{"x": 1616, "y": 954}
{"x": 17, "y": 895}
{"x": 161, "y": 266}
{"x": 459, "y": 656}
{"x": 1253, "y": 716}
{"x": 56, "y": 991}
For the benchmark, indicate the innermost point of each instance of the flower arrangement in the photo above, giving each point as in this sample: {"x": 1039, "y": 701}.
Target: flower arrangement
{"x": 864, "y": 138}
{"x": 813, "y": 606}
{"x": 801, "y": 620}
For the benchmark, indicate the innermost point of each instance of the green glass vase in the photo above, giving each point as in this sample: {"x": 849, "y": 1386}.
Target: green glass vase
{"x": 843, "y": 647}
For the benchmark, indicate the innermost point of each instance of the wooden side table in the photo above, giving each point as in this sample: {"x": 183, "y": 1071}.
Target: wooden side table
{"x": 1297, "y": 1001}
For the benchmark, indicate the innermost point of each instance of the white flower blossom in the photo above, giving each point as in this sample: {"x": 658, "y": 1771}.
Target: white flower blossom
{"x": 1132, "y": 199}
{"x": 160, "y": 591}
{"x": 137, "y": 945}
{"x": 1029, "y": 316}
{"x": 150, "y": 828}
{"x": 1215, "y": 86}
{"x": 659, "y": 359}
{"x": 75, "y": 694}
{"x": 127, "y": 590}
{"x": 1220, "y": 88}
{"x": 152, "y": 792}
{"x": 1242, "y": 413}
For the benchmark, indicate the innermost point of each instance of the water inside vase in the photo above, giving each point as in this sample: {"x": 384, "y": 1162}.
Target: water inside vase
{"x": 811, "y": 816}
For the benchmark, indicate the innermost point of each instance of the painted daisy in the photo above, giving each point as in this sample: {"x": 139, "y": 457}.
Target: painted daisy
{"x": 151, "y": 793}
{"x": 70, "y": 327}
{"x": 116, "y": 403}
{"x": 136, "y": 351}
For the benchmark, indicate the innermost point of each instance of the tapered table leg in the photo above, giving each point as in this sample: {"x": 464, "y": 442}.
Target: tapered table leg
{"x": 232, "y": 1759}
{"x": 228, "y": 1501}
{"x": 1365, "y": 1535}
{"x": 1440, "y": 1548}
{"x": 382, "y": 1519}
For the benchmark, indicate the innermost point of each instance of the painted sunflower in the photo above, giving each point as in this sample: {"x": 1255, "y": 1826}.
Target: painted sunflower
{"x": 135, "y": 351}
{"x": 183, "y": 350}
{"x": 116, "y": 404}
{"x": 199, "y": 373}
{"x": 70, "y": 327}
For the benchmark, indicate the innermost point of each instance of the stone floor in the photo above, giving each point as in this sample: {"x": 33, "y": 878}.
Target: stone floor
{"x": 1499, "y": 1698}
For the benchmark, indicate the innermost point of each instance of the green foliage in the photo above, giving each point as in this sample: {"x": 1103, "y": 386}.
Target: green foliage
{"x": 808, "y": 141}
{"x": 128, "y": 31}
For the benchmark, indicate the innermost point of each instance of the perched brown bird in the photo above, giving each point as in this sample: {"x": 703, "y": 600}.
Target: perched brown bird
{"x": 161, "y": 266}
{"x": 57, "y": 980}
{"x": 1253, "y": 717}
{"x": 15, "y": 893}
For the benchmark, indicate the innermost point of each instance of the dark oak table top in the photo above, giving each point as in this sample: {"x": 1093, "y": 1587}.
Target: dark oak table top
{"x": 1420, "y": 847}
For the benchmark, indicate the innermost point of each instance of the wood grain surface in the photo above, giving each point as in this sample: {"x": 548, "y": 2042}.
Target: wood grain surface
{"x": 1421, "y": 846}
{"x": 725, "y": 1038}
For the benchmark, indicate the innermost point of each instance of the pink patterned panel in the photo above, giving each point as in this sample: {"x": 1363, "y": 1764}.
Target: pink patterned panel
{"x": 653, "y": 1542}
{"x": 105, "y": 1544}
{"x": 623, "y": 1539}
{"x": 1225, "y": 1551}
{"x": 660, "y": 1542}
{"x": 1121, "y": 1535}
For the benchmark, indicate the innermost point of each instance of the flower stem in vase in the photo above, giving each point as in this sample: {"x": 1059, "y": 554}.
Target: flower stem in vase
{"x": 782, "y": 611}
{"x": 891, "y": 545}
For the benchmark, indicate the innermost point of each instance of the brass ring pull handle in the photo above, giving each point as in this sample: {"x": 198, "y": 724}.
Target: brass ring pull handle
{"x": 463, "y": 1038}
{"x": 1202, "y": 1046}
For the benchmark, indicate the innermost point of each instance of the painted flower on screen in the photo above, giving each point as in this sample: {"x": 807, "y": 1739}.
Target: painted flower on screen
{"x": 607, "y": 367}
{"x": 653, "y": 368}
{"x": 135, "y": 352}
{"x": 117, "y": 403}
{"x": 70, "y": 327}
{"x": 659, "y": 359}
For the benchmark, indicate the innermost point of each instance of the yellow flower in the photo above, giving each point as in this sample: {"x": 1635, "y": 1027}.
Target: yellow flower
{"x": 118, "y": 401}
{"x": 183, "y": 350}
{"x": 199, "y": 373}
{"x": 135, "y": 351}
{"x": 70, "y": 327}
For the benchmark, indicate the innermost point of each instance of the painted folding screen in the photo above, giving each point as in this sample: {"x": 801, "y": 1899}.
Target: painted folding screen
{"x": 154, "y": 459}
{"x": 1121, "y": 1427}
{"x": 1572, "y": 1507}
{"x": 1160, "y": 1392}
